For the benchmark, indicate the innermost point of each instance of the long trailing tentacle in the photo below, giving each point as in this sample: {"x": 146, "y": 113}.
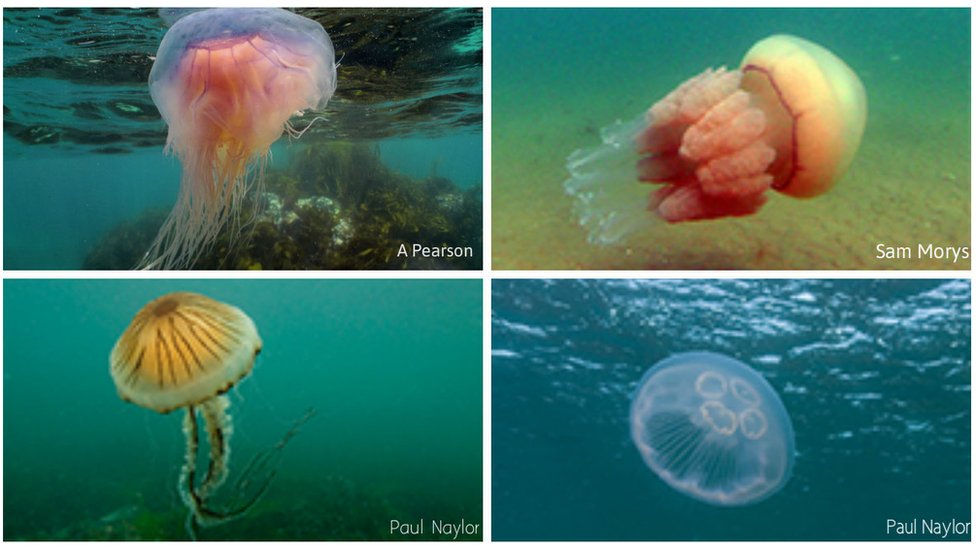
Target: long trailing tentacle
{"x": 263, "y": 465}
{"x": 213, "y": 189}
{"x": 268, "y": 458}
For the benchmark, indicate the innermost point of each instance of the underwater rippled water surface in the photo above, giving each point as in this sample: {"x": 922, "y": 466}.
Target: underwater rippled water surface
{"x": 875, "y": 376}
{"x": 396, "y": 435}
{"x": 77, "y": 77}
{"x": 83, "y": 142}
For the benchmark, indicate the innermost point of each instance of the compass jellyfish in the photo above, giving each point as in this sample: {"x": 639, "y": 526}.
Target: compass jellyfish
{"x": 185, "y": 351}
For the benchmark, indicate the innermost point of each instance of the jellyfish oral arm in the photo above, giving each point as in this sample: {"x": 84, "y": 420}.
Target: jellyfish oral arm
{"x": 704, "y": 143}
{"x": 263, "y": 465}
{"x": 188, "y": 472}
{"x": 196, "y": 497}
{"x": 217, "y": 423}
{"x": 608, "y": 204}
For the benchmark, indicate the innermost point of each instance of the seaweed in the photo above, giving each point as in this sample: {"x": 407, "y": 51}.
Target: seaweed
{"x": 336, "y": 206}
{"x": 330, "y": 508}
{"x": 123, "y": 246}
{"x": 139, "y": 520}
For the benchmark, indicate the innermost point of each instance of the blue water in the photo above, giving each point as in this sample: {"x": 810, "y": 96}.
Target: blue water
{"x": 397, "y": 434}
{"x": 456, "y": 157}
{"x": 875, "y": 376}
{"x": 54, "y": 216}
{"x": 83, "y": 142}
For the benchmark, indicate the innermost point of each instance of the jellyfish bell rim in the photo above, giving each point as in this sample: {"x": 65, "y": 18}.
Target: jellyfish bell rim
{"x": 166, "y": 403}
{"x": 826, "y": 100}
{"x": 702, "y": 358}
{"x": 212, "y": 382}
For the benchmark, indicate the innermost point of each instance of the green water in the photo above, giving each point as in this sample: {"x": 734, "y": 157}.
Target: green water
{"x": 392, "y": 368}
{"x": 561, "y": 75}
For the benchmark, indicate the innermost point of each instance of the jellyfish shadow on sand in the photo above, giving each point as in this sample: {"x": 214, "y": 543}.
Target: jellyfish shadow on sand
{"x": 185, "y": 350}
{"x": 713, "y": 429}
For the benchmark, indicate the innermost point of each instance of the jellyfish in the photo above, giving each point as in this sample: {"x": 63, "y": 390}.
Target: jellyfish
{"x": 185, "y": 350}
{"x": 712, "y": 428}
{"x": 789, "y": 119}
{"x": 226, "y": 81}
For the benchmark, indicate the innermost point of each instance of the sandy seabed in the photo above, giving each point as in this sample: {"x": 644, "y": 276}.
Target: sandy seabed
{"x": 908, "y": 185}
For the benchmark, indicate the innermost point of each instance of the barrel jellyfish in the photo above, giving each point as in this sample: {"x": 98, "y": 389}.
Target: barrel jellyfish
{"x": 226, "y": 81}
{"x": 185, "y": 350}
{"x": 713, "y": 429}
{"x": 789, "y": 119}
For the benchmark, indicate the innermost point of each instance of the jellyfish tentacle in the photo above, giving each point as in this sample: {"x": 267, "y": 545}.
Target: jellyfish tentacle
{"x": 297, "y": 134}
{"x": 265, "y": 463}
{"x": 216, "y": 183}
{"x": 218, "y": 425}
{"x": 271, "y": 455}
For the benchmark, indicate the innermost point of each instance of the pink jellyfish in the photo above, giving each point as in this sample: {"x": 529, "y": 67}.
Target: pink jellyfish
{"x": 789, "y": 119}
{"x": 226, "y": 81}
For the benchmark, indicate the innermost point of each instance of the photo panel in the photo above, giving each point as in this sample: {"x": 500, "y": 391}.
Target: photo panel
{"x": 267, "y": 408}
{"x": 244, "y": 139}
{"x": 731, "y": 410}
{"x": 242, "y": 410}
{"x": 761, "y": 139}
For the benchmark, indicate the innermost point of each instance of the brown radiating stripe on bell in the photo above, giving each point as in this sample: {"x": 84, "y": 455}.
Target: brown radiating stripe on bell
{"x": 183, "y": 347}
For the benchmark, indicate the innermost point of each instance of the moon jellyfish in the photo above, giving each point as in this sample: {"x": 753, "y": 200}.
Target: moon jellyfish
{"x": 185, "y": 350}
{"x": 713, "y": 429}
{"x": 790, "y": 118}
{"x": 226, "y": 81}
